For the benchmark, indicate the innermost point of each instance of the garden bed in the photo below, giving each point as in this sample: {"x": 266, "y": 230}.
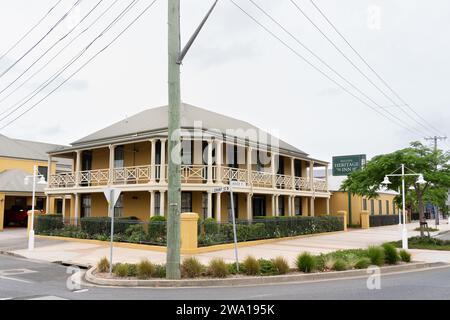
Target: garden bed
{"x": 425, "y": 243}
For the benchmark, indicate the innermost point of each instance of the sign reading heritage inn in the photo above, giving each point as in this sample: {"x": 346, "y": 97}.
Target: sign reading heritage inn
{"x": 344, "y": 165}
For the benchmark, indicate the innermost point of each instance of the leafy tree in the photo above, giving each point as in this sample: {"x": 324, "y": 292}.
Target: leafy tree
{"x": 434, "y": 165}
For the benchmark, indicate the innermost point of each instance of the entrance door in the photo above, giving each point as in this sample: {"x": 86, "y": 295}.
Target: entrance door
{"x": 259, "y": 206}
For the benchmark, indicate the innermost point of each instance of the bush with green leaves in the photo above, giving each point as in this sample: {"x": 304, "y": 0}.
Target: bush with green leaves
{"x": 157, "y": 227}
{"x": 136, "y": 233}
{"x": 267, "y": 267}
{"x": 363, "y": 263}
{"x": 306, "y": 262}
{"x": 125, "y": 270}
{"x": 103, "y": 265}
{"x": 102, "y": 225}
{"x": 405, "y": 256}
{"x": 160, "y": 271}
{"x": 191, "y": 268}
{"x": 145, "y": 269}
{"x": 340, "y": 265}
{"x": 232, "y": 268}
{"x": 251, "y": 266}
{"x": 391, "y": 255}
{"x": 281, "y": 265}
{"x": 376, "y": 255}
{"x": 48, "y": 223}
{"x": 217, "y": 268}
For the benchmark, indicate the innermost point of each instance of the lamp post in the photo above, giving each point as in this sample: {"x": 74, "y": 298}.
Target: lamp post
{"x": 420, "y": 180}
{"x": 41, "y": 181}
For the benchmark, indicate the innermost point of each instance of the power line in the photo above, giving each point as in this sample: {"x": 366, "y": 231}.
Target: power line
{"x": 41, "y": 39}
{"x": 316, "y": 68}
{"x": 324, "y": 62}
{"x": 82, "y": 66}
{"x": 30, "y": 30}
{"x": 30, "y": 96}
{"x": 370, "y": 67}
{"x": 352, "y": 63}
{"x": 52, "y": 46}
{"x": 56, "y": 55}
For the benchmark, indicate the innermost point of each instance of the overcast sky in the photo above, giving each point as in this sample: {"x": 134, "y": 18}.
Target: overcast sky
{"x": 238, "y": 69}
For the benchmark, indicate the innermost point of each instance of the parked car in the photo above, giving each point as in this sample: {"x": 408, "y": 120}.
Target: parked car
{"x": 17, "y": 215}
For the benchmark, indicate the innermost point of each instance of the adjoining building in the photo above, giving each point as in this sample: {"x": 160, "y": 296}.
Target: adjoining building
{"x": 384, "y": 204}
{"x": 275, "y": 177}
{"x": 17, "y": 159}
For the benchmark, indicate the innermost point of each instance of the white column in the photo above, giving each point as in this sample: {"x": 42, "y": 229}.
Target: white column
{"x": 249, "y": 207}
{"x": 78, "y": 168}
{"x": 64, "y": 207}
{"x": 152, "y": 160}
{"x": 292, "y": 173}
{"x": 274, "y": 212}
{"x": 274, "y": 171}
{"x": 218, "y": 161}
{"x": 328, "y": 206}
{"x": 210, "y": 168}
{"x": 162, "y": 203}
{"x": 311, "y": 174}
{"x": 290, "y": 206}
{"x": 152, "y": 203}
{"x": 77, "y": 208}
{"x": 209, "y": 208}
{"x": 163, "y": 161}
{"x": 47, "y": 204}
{"x": 312, "y": 210}
{"x": 326, "y": 176}
{"x": 218, "y": 207}
{"x": 277, "y": 198}
{"x": 249, "y": 165}
{"x": 111, "y": 163}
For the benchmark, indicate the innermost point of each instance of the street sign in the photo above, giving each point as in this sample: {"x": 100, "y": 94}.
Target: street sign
{"x": 221, "y": 189}
{"x": 345, "y": 165}
{"x": 238, "y": 184}
{"x": 111, "y": 195}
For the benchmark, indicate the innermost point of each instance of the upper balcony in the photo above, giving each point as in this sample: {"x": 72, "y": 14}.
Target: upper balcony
{"x": 190, "y": 174}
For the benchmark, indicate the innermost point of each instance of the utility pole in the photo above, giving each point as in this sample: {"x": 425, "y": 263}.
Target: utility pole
{"x": 435, "y": 141}
{"x": 174, "y": 183}
{"x": 175, "y": 60}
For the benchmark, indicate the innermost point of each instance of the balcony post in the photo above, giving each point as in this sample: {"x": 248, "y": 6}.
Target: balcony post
{"x": 218, "y": 207}
{"x": 163, "y": 161}
{"x": 111, "y": 163}
{"x": 274, "y": 171}
{"x": 152, "y": 203}
{"x": 326, "y": 177}
{"x": 328, "y": 206}
{"x": 77, "y": 208}
{"x": 277, "y": 199}
{"x": 209, "y": 212}
{"x": 292, "y": 173}
{"x": 64, "y": 207}
{"x": 273, "y": 205}
{"x": 210, "y": 169}
{"x": 162, "y": 203}
{"x": 289, "y": 206}
{"x": 312, "y": 209}
{"x": 49, "y": 173}
{"x": 218, "y": 161}
{"x": 249, "y": 207}
{"x": 152, "y": 160}
{"x": 311, "y": 175}
{"x": 249, "y": 165}
{"x": 77, "y": 168}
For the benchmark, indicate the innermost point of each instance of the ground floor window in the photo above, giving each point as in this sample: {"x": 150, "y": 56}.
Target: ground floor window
{"x": 298, "y": 206}
{"x": 118, "y": 208}
{"x": 86, "y": 202}
{"x": 364, "y": 204}
{"x": 157, "y": 203}
{"x": 281, "y": 205}
{"x": 380, "y": 207}
{"x": 259, "y": 206}
{"x": 40, "y": 203}
{"x": 372, "y": 207}
{"x": 186, "y": 202}
{"x": 59, "y": 205}
{"x": 387, "y": 206}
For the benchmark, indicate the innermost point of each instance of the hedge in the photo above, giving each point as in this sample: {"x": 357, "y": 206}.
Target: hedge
{"x": 48, "y": 222}
{"x": 102, "y": 225}
{"x": 384, "y": 220}
{"x": 211, "y": 232}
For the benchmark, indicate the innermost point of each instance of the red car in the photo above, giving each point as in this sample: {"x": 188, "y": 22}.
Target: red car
{"x": 17, "y": 215}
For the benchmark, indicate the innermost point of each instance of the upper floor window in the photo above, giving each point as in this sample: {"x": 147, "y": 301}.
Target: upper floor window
{"x": 119, "y": 156}
{"x": 232, "y": 155}
{"x": 43, "y": 170}
{"x": 364, "y": 204}
{"x": 281, "y": 205}
{"x": 297, "y": 168}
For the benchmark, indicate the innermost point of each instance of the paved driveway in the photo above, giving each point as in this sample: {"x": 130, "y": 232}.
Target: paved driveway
{"x": 85, "y": 253}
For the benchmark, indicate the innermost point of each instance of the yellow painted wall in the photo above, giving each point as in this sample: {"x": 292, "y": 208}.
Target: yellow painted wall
{"x": 320, "y": 206}
{"x": 23, "y": 164}
{"x": 2, "y": 209}
{"x": 99, "y": 206}
{"x": 136, "y": 204}
{"x": 138, "y": 154}
{"x": 100, "y": 158}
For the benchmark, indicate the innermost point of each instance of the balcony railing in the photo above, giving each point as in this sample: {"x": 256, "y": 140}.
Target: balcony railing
{"x": 196, "y": 174}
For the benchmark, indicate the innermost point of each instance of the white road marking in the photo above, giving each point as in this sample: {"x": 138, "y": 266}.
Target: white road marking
{"x": 14, "y": 272}
{"x": 47, "y": 298}
{"x": 80, "y": 291}
{"x": 15, "y": 279}
{"x": 6, "y": 298}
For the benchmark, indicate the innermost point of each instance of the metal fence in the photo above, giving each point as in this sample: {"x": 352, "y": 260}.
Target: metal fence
{"x": 125, "y": 230}
{"x": 210, "y": 232}
{"x": 384, "y": 220}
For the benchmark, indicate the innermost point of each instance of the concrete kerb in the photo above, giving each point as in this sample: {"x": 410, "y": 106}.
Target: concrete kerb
{"x": 91, "y": 278}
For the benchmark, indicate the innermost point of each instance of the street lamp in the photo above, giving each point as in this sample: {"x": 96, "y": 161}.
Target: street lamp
{"x": 41, "y": 181}
{"x": 420, "y": 180}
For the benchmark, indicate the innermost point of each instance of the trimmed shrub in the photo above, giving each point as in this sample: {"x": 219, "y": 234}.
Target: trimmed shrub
{"x": 103, "y": 265}
{"x": 102, "y": 225}
{"x": 145, "y": 269}
{"x": 281, "y": 265}
{"x": 124, "y": 270}
{"x": 218, "y": 268}
{"x": 363, "y": 263}
{"x": 191, "y": 268}
{"x": 390, "y": 254}
{"x": 340, "y": 265}
{"x": 251, "y": 266}
{"x": 267, "y": 267}
{"x": 376, "y": 255}
{"x": 233, "y": 270}
{"x": 306, "y": 262}
{"x": 405, "y": 256}
{"x": 135, "y": 233}
{"x": 48, "y": 223}
{"x": 160, "y": 271}
{"x": 157, "y": 229}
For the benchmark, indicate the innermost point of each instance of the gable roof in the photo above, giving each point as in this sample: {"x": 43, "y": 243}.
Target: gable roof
{"x": 156, "y": 119}
{"x": 14, "y": 181}
{"x": 24, "y": 149}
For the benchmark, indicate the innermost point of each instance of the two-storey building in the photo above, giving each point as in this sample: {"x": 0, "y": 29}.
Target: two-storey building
{"x": 275, "y": 177}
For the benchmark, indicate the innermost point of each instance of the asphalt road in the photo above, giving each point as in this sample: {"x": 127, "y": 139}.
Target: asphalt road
{"x": 42, "y": 280}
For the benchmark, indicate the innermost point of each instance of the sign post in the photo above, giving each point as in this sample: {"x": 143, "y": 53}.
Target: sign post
{"x": 229, "y": 189}
{"x": 111, "y": 195}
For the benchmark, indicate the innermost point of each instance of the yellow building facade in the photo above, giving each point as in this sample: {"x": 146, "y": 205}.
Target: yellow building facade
{"x": 274, "y": 177}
